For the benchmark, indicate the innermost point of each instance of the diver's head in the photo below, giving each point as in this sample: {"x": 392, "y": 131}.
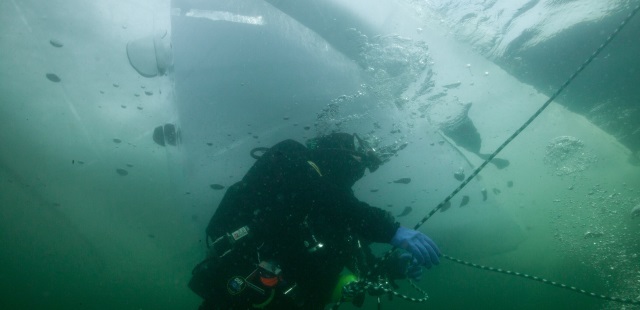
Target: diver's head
{"x": 346, "y": 155}
{"x": 370, "y": 157}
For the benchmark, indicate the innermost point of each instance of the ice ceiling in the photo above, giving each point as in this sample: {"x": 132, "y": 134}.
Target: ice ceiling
{"x": 122, "y": 123}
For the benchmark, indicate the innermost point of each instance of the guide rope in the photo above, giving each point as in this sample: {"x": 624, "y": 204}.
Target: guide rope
{"x": 543, "y": 280}
{"x": 363, "y": 286}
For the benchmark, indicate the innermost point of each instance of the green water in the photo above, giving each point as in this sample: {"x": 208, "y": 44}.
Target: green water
{"x": 76, "y": 234}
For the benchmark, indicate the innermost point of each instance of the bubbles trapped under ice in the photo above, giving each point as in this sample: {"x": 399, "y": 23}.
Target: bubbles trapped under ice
{"x": 567, "y": 155}
{"x": 391, "y": 65}
{"x": 393, "y": 62}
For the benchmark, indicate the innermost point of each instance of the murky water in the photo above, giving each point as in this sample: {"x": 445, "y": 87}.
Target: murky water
{"x": 96, "y": 213}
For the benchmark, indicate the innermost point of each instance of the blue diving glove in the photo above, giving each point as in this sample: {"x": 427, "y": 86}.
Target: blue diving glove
{"x": 423, "y": 249}
{"x": 403, "y": 265}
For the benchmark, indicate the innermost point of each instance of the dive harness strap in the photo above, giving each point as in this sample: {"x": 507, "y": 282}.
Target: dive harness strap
{"x": 224, "y": 244}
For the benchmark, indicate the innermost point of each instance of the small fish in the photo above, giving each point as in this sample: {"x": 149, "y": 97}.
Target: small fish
{"x": 53, "y": 78}
{"x": 116, "y": 140}
{"x": 56, "y": 43}
{"x": 406, "y": 211}
{"x": 446, "y": 206}
{"x": 216, "y": 186}
{"x": 373, "y": 190}
{"x": 403, "y": 181}
{"x": 510, "y": 184}
{"x": 452, "y": 85}
{"x": 484, "y": 194}
{"x": 459, "y": 175}
{"x": 122, "y": 172}
{"x": 465, "y": 201}
{"x": 496, "y": 191}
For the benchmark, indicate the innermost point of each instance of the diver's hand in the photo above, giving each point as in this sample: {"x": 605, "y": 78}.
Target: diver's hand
{"x": 403, "y": 265}
{"x": 423, "y": 249}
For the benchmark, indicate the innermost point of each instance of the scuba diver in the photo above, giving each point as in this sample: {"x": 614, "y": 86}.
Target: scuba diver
{"x": 291, "y": 233}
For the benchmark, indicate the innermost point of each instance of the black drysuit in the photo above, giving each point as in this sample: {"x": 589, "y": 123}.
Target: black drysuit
{"x": 293, "y": 199}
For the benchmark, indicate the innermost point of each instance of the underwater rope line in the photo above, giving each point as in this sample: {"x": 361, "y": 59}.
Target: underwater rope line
{"x": 364, "y": 285}
{"x": 543, "y": 280}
